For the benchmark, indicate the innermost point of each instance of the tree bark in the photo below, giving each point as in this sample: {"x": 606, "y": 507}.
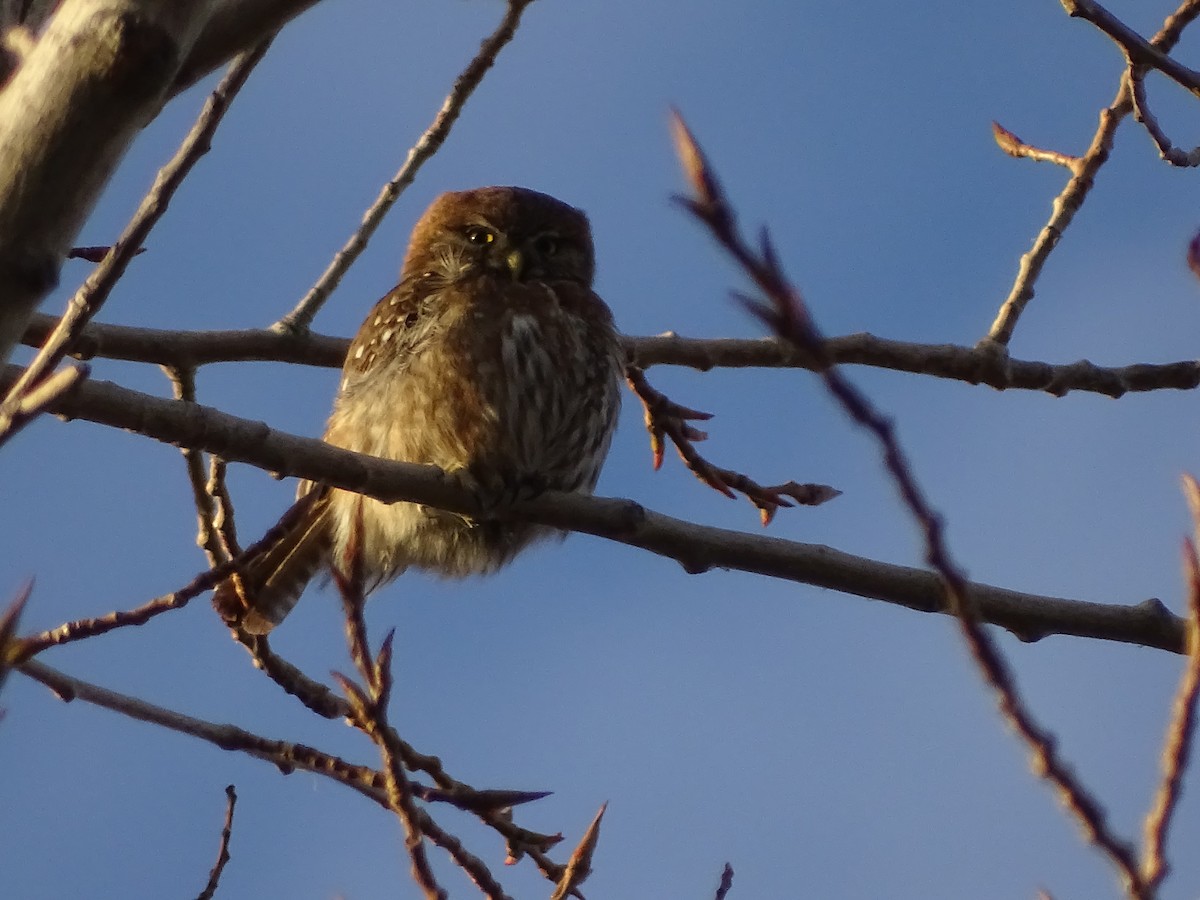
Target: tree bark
{"x": 90, "y": 81}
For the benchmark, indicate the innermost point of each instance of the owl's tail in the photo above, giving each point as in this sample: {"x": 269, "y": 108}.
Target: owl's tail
{"x": 270, "y": 582}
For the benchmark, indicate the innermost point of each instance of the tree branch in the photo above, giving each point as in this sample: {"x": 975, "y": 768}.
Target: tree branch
{"x": 95, "y": 290}
{"x": 232, "y": 27}
{"x": 951, "y": 361}
{"x": 698, "y": 548}
{"x": 784, "y": 311}
{"x": 1073, "y": 195}
{"x": 87, "y": 85}
{"x": 1138, "y": 50}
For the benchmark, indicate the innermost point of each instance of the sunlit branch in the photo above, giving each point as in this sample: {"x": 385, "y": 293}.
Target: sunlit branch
{"x": 951, "y": 361}
{"x": 697, "y": 548}
{"x": 1076, "y": 191}
{"x": 1141, "y": 112}
{"x": 1139, "y": 51}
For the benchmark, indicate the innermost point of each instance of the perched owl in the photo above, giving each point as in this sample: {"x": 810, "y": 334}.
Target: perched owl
{"x": 492, "y": 359}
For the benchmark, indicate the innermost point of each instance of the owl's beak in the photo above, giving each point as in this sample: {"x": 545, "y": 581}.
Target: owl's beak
{"x": 515, "y": 261}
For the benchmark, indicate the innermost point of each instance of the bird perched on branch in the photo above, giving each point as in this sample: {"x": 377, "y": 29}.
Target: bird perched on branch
{"x": 492, "y": 359}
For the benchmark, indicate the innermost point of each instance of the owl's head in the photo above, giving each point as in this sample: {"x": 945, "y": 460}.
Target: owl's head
{"x": 507, "y": 232}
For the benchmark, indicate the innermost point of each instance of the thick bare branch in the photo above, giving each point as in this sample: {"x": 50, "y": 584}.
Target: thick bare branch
{"x": 697, "y": 548}
{"x": 95, "y": 290}
{"x": 1138, "y": 50}
{"x": 90, "y": 81}
{"x": 234, "y": 26}
{"x": 951, "y": 361}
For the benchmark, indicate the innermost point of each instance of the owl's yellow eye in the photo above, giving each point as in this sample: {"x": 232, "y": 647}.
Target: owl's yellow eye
{"x": 479, "y": 235}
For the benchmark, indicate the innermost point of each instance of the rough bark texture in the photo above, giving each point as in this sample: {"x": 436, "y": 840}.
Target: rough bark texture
{"x": 79, "y": 93}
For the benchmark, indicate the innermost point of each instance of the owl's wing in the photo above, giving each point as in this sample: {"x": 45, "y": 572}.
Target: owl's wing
{"x": 390, "y": 329}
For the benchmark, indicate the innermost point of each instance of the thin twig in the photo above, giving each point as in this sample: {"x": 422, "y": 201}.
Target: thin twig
{"x": 785, "y": 312}
{"x": 301, "y": 317}
{"x": 1181, "y": 731}
{"x": 1014, "y": 146}
{"x": 1076, "y": 191}
{"x": 285, "y": 756}
{"x": 349, "y": 579}
{"x": 315, "y": 696}
{"x": 223, "y": 517}
{"x": 95, "y": 290}
{"x": 1141, "y": 112}
{"x": 208, "y": 538}
{"x": 214, "y": 877}
{"x": 664, "y": 417}
{"x": 369, "y": 712}
{"x": 369, "y": 708}
{"x": 492, "y": 806}
{"x": 81, "y": 629}
{"x": 726, "y": 883}
{"x": 38, "y": 398}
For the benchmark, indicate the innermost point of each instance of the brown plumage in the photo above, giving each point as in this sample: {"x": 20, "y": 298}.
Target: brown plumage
{"x": 492, "y": 359}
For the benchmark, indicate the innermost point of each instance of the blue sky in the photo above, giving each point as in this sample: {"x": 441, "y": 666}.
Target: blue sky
{"x": 825, "y": 745}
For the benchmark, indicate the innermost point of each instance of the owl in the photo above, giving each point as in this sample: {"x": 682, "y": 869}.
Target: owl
{"x": 492, "y": 359}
